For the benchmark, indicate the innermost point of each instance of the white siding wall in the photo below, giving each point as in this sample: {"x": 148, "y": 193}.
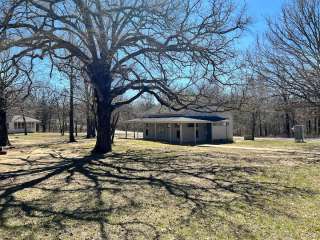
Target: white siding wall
{"x": 230, "y": 127}
{"x": 12, "y": 128}
{"x": 219, "y": 133}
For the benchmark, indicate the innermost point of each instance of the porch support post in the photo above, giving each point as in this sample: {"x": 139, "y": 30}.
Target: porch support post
{"x": 195, "y": 133}
{"x": 226, "y": 131}
{"x": 181, "y": 135}
{"x": 212, "y": 133}
{"x": 170, "y": 133}
{"x": 155, "y": 130}
{"x": 134, "y": 132}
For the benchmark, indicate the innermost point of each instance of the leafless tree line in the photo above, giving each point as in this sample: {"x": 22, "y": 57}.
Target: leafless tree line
{"x": 284, "y": 74}
{"x": 182, "y": 53}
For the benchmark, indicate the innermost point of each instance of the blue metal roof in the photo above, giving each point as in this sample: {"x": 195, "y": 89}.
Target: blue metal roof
{"x": 208, "y": 117}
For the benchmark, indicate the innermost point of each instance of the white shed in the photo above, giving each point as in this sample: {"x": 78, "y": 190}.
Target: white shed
{"x": 16, "y": 125}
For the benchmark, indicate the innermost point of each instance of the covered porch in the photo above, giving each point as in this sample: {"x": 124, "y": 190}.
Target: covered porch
{"x": 179, "y": 130}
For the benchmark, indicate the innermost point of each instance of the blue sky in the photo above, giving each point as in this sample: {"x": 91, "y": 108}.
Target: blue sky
{"x": 258, "y": 10}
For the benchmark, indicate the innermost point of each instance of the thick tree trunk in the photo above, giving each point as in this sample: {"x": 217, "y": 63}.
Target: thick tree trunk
{"x": 4, "y": 140}
{"x": 101, "y": 79}
{"x": 71, "y": 113}
{"x": 103, "y": 143}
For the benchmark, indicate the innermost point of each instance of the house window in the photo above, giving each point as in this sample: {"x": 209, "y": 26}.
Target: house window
{"x": 190, "y": 125}
{"x": 178, "y": 134}
{"x": 147, "y": 132}
{"x": 197, "y": 133}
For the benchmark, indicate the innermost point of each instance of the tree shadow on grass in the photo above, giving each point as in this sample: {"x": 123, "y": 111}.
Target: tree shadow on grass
{"x": 132, "y": 195}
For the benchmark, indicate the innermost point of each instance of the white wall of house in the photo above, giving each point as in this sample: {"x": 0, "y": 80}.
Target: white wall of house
{"x": 18, "y": 127}
{"x": 223, "y": 130}
{"x": 219, "y": 132}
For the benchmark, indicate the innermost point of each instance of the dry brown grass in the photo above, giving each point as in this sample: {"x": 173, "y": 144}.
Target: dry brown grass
{"x": 144, "y": 190}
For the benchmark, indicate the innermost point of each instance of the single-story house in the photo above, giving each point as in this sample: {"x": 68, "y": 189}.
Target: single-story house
{"x": 186, "y": 128}
{"x": 16, "y": 124}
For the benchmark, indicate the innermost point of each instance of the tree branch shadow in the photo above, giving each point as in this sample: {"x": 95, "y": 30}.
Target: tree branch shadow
{"x": 119, "y": 184}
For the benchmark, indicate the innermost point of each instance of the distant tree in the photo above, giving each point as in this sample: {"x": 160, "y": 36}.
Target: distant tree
{"x": 290, "y": 57}
{"x": 47, "y": 106}
{"x": 266, "y": 97}
{"x": 71, "y": 68}
{"x": 15, "y": 86}
{"x": 72, "y": 81}
{"x": 87, "y": 94}
{"x": 168, "y": 48}
{"x": 61, "y": 106}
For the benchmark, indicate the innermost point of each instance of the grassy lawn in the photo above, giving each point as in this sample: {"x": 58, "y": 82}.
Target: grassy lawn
{"x": 50, "y": 189}
{"x": 290, "y": 144}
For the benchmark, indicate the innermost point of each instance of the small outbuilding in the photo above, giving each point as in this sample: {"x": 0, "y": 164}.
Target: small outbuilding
{"x": 186, "y": 128}
{"x": 17, "y": 124}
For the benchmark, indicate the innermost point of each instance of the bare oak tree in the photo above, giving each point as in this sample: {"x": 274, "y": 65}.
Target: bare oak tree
{"x": 290, "y": 57}
{"x": 15, "y": 86}
{"x": 167, "y": 48}
{"x": 71, "y": 69}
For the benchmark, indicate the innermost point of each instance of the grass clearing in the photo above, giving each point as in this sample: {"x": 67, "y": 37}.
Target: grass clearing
{"x": 146, "y": 190}
{"x": 289, "y": 144}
